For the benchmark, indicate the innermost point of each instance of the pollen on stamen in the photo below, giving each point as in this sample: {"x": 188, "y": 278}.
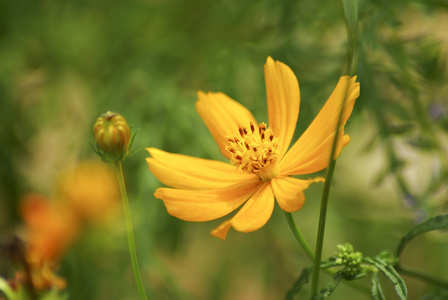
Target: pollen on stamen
{"x": 254, "y": 150}
{"x": 252, "y": 127}
{"x": 261, "y": 128}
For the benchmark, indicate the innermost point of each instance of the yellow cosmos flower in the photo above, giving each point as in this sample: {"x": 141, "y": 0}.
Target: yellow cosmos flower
{"x": 261, "y": 167}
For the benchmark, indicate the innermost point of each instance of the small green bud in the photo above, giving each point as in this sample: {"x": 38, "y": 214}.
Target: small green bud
{"x": 350, "y": 259}
{"x": 112, "y": 135}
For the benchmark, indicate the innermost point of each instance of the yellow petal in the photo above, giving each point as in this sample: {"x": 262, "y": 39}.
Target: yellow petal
{"x": 257, "y": 210}
{"x": 289, "y": 191}
{"x": 282, "y": 89}
{"x": 221, "y": 230}
{"x": 223, "y": 116}
{"x": 191, "y": 173}
{"x": 311, "y": 152}
{"x": 201, "y": 206}
{"x": 318, "y": 159}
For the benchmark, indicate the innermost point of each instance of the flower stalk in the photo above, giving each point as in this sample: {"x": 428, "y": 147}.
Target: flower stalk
{"x": 424, "y": 277}
{"x": 351, "y": 14}
{"x": 113, "y": 140}
{"x": 129, "y": 230}
{"x": 322, "y": 222}
{"x": 324, "y": 202}
{"x": 299, "y": 237}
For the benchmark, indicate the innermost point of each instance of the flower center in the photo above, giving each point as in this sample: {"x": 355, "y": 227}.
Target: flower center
{"x": 255, "y": 151}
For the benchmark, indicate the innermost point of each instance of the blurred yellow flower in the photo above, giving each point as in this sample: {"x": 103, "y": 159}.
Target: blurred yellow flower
{"x": 90, "y": 189}
{"x": 205, "y": 190}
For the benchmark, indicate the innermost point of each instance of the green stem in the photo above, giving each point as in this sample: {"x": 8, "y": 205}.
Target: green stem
{"x": 421, "y": 276}
{"x": 129, "y": 230}
{"x": 324, "y": 203}
{"x": 304, "y": 244}
{"x": 299, "y": 237}
{"x": 351, "y": 54}
{"x": 322, "y": 221}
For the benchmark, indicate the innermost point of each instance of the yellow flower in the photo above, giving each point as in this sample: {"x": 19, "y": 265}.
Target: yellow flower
{"x": 90, "y": 190}
{"x": 205, "y": 190}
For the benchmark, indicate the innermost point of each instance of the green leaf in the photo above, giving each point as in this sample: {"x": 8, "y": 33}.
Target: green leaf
{"x": 377, "y": 292}
{"x": 329, "y": 287}
{"x": 6, "y": 289}
{"x": 361, "y": 274}
{"x": 131, "y": 141}
{"x": 330, "y": 263}
{"x": 435, "y": 223}
{"x": 387, "y": 257}
{"x": 351, "y": 8}
{"x": 391, "y": 274}
{"x": 303, "y": 279}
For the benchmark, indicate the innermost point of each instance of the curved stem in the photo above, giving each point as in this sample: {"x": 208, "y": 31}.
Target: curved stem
{"x": 299, "y": 237}
{"x": 130, "y": 232}
{"x": 421, "y": 276}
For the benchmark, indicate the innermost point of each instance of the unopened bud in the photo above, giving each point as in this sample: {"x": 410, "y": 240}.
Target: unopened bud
{"x": 351, "y": 260}
{"x": 112, "y": 135}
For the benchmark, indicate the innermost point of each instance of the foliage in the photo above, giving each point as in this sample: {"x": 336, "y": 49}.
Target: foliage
{"x": 64, "y": 63}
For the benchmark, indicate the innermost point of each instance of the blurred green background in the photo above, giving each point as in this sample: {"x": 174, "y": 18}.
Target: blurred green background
{"x": 63, "y": 63}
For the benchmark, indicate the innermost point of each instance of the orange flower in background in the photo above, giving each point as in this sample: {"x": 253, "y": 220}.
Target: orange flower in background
{"x": 88, "y": 192}
{"x": 261, "y": 165}
{"x": 50, "y": 230}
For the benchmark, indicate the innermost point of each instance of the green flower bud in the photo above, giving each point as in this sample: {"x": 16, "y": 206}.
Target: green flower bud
{"x": 350, "y": 259}
{"x": 112, "y": 135}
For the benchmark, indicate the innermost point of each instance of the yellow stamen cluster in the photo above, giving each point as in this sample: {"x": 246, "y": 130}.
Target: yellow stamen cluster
{"x": 255, "y": 151}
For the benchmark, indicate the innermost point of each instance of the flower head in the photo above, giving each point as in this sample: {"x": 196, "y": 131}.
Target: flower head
{"x": 261, "y": 164}
{"x": 112, "y": 135}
